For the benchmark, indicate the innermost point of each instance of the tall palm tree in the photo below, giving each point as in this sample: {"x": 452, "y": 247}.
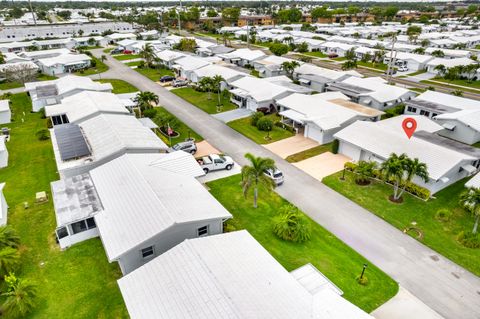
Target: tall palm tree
{"x": 147, "y": 54}
{"x": 8, "y": 237}
{"x": 413, "y": 167}
{"x": 253, "y": 175}
{"x": 9, "y": 259}
{"x": 393, "y": 169}
{"x": 20, "y": 298}
{"x": 349, "y": 64}
{"x": 145, "y": 99}
{"x": 206, "y": 84}
{"x": 470, "y": 199}
{"x": 217, "y": 83}
{"x": 289, "y": 67}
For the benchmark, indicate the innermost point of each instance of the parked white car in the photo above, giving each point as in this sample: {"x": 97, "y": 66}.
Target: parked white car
{"x": 402, "y": 68}
{"x": 215, "y": 162}
{"x": 275, "y": 175}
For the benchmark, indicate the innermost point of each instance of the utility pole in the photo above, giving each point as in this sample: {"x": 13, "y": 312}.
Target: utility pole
{"x": 179, "y": 22}
{"x": 248, "y": 34}
{"x": 33, "y": 13}
{"x": 390, "y": 67}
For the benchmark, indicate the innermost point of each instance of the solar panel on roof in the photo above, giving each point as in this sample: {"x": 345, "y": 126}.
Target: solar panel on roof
{"x": 71, "y": 142}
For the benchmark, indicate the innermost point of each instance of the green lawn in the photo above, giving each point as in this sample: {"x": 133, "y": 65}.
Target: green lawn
{"x": 10, "y": 85}
{"x": 154, "y": 74}
{"x": 416, "y": 73}
{"x": 71, "y": 281}
{"x": 134, "y": 63}
{"x": 99, "y": 68}
{"x": 107, "y": 50}
{"x": 440, "y": 236}
{"x": 124, "y": 57}
{"x": 184, "y": 131}
{"x": 119, "y": 86}
{"x": 473, "y": 87}
{"x": 316, "y": 54}
{"x": 379, "y": 66}
{"x": 244, "y": 127}
{"x": 335, "y": 259}
{"x": 204, "y": 101}
{"x": 470, "y": 84}
{"x": 309, "y": 153}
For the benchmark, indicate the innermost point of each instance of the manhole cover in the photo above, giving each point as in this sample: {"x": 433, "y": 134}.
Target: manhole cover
{"x": 435, "y": 257}
{"x": 455, "y": 275}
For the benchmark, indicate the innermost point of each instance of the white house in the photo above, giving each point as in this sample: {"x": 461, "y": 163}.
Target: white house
{"x": 271, "y": 66}
{"x": 414, "y": 62}
{"x": 317, "y": 78}
{"x": 87, "y": 41}
{"x": 243, "y": 57}
{"x": 3, "y": 152}
{"x": 447, "y": 161}
{"x": 184, "y": 66}
{"x": 459, "y": 116}
{"x": 65, "y": 63}
{"x": 211, "y": 70}
{"x": 168, "y": 57}
{"x": 338, "y": 48}
{"x": 236, "y": 278}
{"x": 67, "y": 43}
{"x": 373, "y": 92}
{"x": 152, "y": 203}
{"x": 5, "y": 113}
{"x": 81, "y": 146}
{"x": 3, "y": 206}
{"x": 83, "y": 106}
{"x": 447, "y": 63}
{"x": 52, "y": 92}
{"x": 115, "y": 37}
{"x": 252, "y": 93}
{"x": 319, "y": 116}
{"x": 43, "y": 54}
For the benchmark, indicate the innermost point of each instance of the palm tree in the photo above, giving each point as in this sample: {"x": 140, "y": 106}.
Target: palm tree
{"x": 364, "y": 171}
{"x": 393, "y": 169}
{"x": 289, "y": 67}
{"x": 206, "y": 84}
{"x": 217, "y": 83}
{"x": 9, "y": 259}
{"x": 349, "y": 64}
{"x": 419, "y": 50}
{"x": 147, "y": 54}
{"x": 20, "y": 298}
{"x": 441, "y": 69}
{"x": 253, "y": 175}
{"x": 470, "y": 199}
{"x": 103, "y": 58}
{"x": 438, "y": 54}
{"x": 413, "y": 167}
{"x": 8, "y": 237}
{"x": 145, "y": 99}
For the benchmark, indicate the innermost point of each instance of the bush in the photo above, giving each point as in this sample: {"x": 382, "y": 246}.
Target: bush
{"x": 49, "y": 123}
{"x": 255, "y": 117}
{"x": 419, "y": 191}
{"x": 335, "y": 145}
{"x": 93, "y": 63}
{"x": 42, "y": 135}
{"x": 469, "y": 239}
{"x": 150, "y": 113}
{"x": 443, "y": 215}
{"x": 279, "y": 48}
{"x": 292, "y": 225}
{"x": 228, "y": 226}
{"x": 394, "y": 111}
{"x": 350, "y": 166}
{"x": 285, "y": 126}
{"x": 362, "y": 281}
{"x": 141, "y": 64}
{"x": 265, "y": 124}
{"x": 42, "y": 112}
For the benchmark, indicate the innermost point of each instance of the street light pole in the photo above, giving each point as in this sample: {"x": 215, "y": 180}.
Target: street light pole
{"x": 363, "y": 270}
{"x": 179, "y": 22}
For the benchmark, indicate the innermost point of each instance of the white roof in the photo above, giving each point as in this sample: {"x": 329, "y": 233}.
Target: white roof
{"x": 141, "y": 200}
{"x": 212, "y": 69}
{"x": 118, "y": 36}
{"x": 86, "y": 104}
{"x": 470, "y": 118}
{"x": 169, "y": 55}
{"x": 450, "y": 100}
{"x": 189, "y": 63}
{"x": 449, "y": 63}
{"x": 65, "y": 59}
{"x": 244, "y": 54}
{"x": 380, "y": 90}
{"x": 225, "y": 276}
{"x": 4, "y": 105}
{"x": 310, "y": 69}
{"x": 386, "y": 137}
{"x": 259, "y": 89}
{"x": 411, "y": 56}
{"x": 474, "y": 181}
{"x": 41, "y": 53}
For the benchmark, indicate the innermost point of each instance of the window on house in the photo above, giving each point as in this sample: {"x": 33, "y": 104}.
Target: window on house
{"x": 62, "y": 232}
{"x": 423, "y": 112}
{"x": 412, "y": 109}
{"x": 79, "y": 227}
{"x": 147, "y": 252}
{"x": 91, "y": 223}
{"x": 202, "y": 231}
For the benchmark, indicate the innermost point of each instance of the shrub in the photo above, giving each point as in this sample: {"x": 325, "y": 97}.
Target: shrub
{"x": 443, "y": 215}
{"x": 93, "y": 63}
{"x": 49, "y": 123}
{"x": 265, "y": 124}
{"x": 150, "y": 113}
{"x": 42, "y": 112}
{"x": 228, "y": 227}
{"x": 141, "y": 64}
{"x": 42, "y": 134}
{"x": 292, "y": 225}
{"x": 255, "y": 117}
{"x": 394, "y": 111}
{"x": 335, "y": 145}
{"x": 362, "y": 281}
{"x": 350, "y": 166}
{"x": 285, "y": 126}
{"x": 469, "y": 239}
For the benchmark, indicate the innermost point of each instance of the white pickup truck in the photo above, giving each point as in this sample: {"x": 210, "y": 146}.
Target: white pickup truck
{"x": 215, "y": 162}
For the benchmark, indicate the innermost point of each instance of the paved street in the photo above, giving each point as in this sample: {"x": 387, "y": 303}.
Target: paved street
{"x": 444, "y": 286}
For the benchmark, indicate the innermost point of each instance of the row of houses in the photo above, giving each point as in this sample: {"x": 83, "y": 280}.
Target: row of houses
{"x": 118, "y": 183}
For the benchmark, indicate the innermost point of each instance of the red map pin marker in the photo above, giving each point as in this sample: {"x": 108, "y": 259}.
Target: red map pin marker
{"x": 409, "y": 126}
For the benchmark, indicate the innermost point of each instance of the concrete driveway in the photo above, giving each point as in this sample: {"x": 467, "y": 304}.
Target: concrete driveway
{"x": 323, "y": 165}
{"x": 232, "y": 115}
{"x": 204, "y": 148}
{"x": 291, "y": 145}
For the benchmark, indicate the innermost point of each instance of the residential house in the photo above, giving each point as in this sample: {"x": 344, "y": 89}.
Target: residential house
{"x": 87, "y": 41}
{"x": 237, "y": 278}
{"x": 67, "y": 43}
{"x": 337, "y": 48}
{"x": 34, "y": 56}
{"x": 4, "y": 206}
{"x": 447, "y": 63}
{"x": 319, "y": 116}
{"x": 66, "y": 63}
{"x": 243, "y": 57}
{"x": 52, "y": 92}
{"x": 115, "y": 37}
{"x": 252, "y": 93}
{"x": 459, "y": 116}
{"x": 185, "y": 66}
{"x": 228, "y": 74}
{"x": 271, "y": 66}
{"x": 5, "y": 113}
{"x": 168, "y": 57}
{"x": 317, "y": 78}
{"x": 447, "y": 161}
{"x": 373, "y": 92}
{"x": 414, "y": 62}
{"x": 213, "y": 50}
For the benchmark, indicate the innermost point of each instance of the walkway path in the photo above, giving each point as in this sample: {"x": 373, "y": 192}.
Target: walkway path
{"x": 441, "y": 284}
